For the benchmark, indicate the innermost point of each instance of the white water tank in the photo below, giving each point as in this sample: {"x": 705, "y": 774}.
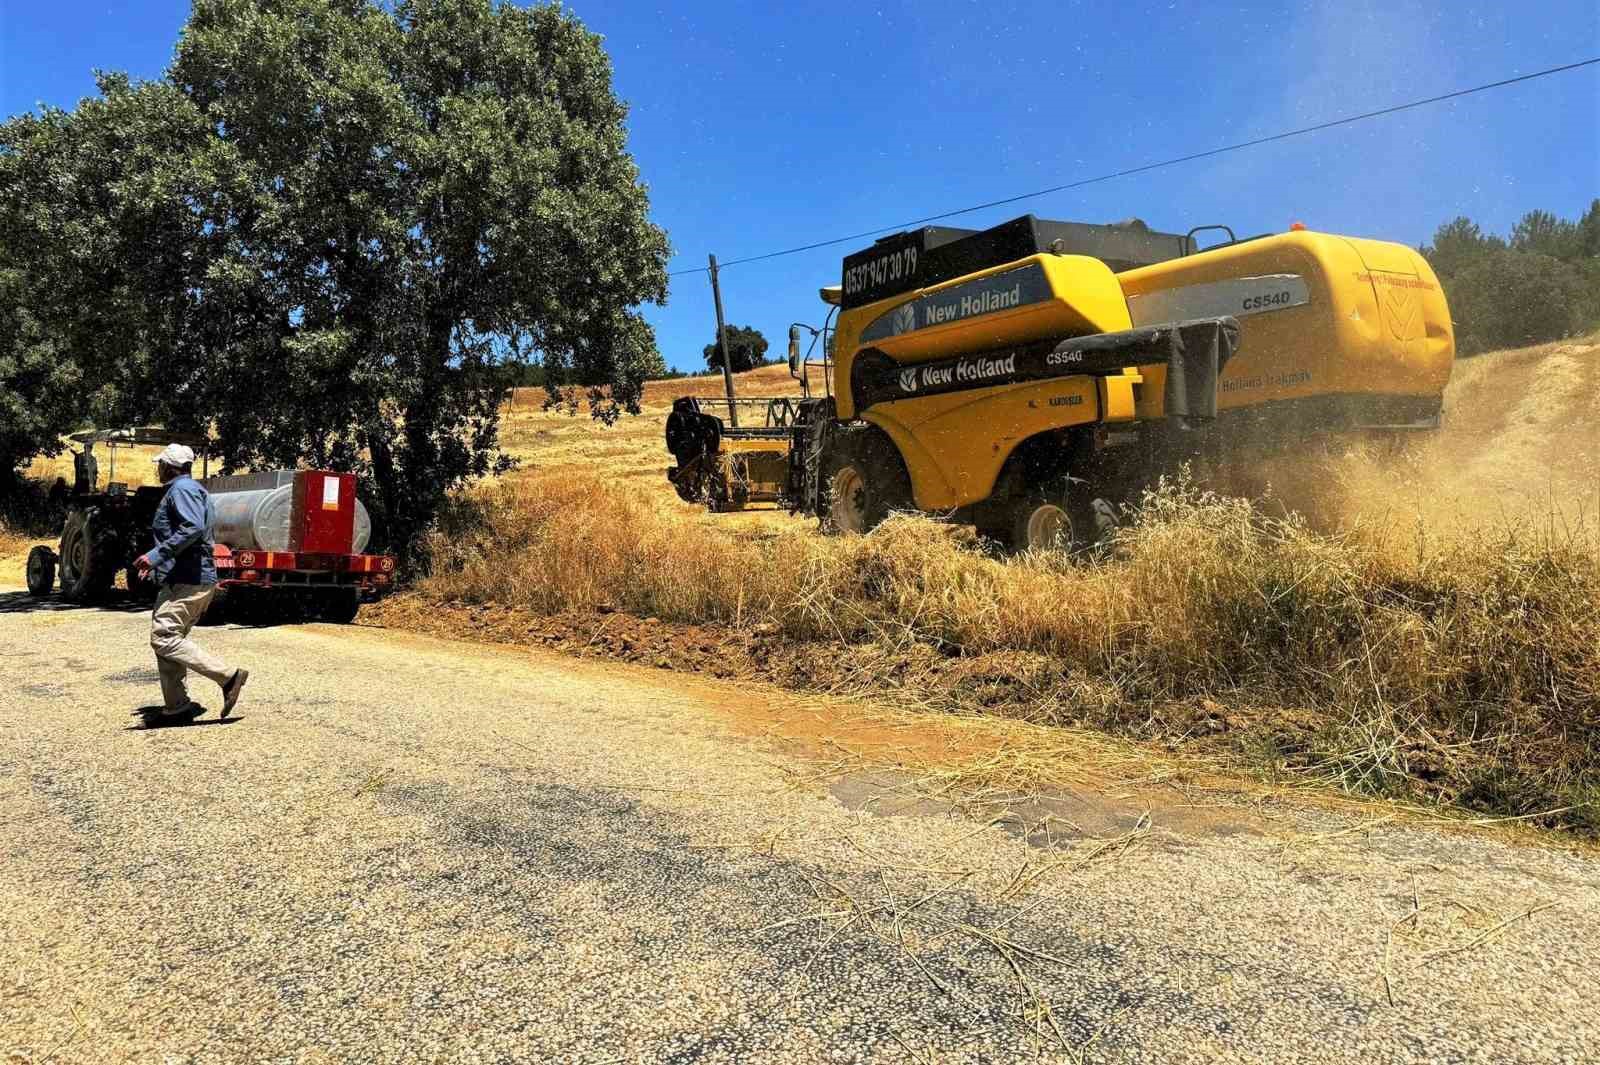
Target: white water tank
{"x": 253, "y": 512}
{"x": 253, "y": 521}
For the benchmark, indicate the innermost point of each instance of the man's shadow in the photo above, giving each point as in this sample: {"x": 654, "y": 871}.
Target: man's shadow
{"x": 150, "y": 719}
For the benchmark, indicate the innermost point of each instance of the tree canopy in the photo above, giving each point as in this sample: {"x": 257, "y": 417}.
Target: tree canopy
{"x": 747, "y": 348}
{"x": 335, "y": 228}
{"x": 1542, "y": 284}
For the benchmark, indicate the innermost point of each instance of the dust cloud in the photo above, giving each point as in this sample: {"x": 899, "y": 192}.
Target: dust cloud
{"x": 1520, "y": 446}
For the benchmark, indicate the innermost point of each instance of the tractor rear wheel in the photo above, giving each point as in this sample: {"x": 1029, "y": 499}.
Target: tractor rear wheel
{"x": 87, "y": 568}
{"x": 41, "y": 571}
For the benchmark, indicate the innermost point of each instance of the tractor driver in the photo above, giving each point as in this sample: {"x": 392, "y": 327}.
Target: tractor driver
{"x": 181, "y": 562}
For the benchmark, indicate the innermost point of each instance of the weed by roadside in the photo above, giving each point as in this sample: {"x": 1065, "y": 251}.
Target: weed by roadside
{"x": 26, "y": 514}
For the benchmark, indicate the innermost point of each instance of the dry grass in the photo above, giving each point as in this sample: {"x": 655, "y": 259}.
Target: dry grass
{"x": 26, "y": 518}
{"x": 1418, "y": 623}
{"x": 1469, "y": 663}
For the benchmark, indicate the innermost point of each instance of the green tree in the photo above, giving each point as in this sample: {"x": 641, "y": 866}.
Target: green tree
{"x": 1512, "y": 298}
{"x": 1543, "y": 233}
{"x": 40, "y": 392}
{"x": 365, "y": 218}
{"x": 96, "y": 247}
{"x": 747, "y": 349}
{"x": 1457, "y": 243}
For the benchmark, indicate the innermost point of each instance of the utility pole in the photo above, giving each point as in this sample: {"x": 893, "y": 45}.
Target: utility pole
{"x": 722, "y": 340}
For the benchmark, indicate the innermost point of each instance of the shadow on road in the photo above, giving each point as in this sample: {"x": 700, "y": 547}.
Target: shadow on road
{"x": 150, "y": 720}
{"x": 114, "y": 602}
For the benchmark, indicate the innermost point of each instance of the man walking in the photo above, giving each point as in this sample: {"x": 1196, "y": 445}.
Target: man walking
{"x": 181, "y": 562}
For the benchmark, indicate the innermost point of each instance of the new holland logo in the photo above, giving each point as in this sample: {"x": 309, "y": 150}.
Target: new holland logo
{"x": 905, "y": 319}
{"x": 908, "y": 380}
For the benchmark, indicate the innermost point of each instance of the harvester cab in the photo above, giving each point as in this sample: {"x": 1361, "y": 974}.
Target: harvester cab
{"x": 1024, "y": 378}
{"x": 800, "y": 366}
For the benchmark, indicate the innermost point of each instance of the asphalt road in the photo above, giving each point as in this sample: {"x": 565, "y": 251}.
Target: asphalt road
{"x": 407, "y": 850}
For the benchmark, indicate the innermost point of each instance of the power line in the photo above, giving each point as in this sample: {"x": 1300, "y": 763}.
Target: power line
{"x": 1302, "y": 131}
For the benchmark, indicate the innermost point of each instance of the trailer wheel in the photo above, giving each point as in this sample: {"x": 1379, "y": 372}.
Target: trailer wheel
{"x": 41, "y": 571}
{"x": 87, "y": 567}
{"x": 340, "y": 607}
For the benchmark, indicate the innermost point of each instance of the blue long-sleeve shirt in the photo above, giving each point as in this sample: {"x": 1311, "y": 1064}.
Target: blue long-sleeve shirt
{"x": 182, "y": 528}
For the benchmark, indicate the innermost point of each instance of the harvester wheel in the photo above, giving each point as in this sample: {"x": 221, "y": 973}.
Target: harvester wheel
{"x": 1052, "y": 520}
{"x": 87, "y": 567}
{"x": 41, "y": 571}
{"x": 847, "y": 499}
{"x": 863, "y": 480}
{"x": 1042, "y": 524}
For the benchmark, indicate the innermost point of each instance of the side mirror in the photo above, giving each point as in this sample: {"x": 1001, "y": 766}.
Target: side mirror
{"x": 794, "y": 350}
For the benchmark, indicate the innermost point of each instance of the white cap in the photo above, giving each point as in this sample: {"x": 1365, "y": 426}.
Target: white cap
{"x": 176, "y": 456}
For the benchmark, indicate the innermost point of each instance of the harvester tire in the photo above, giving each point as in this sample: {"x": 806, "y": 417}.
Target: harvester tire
{"x": 87, "y": 563}
{"x": 851, "y": 508}
{"x": 41, "y": 571}
{"x": 1042, "y": 523}
{"x": 1054, "y": 520}
{"x": 863, "y": 479}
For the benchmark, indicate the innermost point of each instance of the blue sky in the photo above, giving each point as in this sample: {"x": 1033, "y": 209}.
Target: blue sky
{"x": 760, "y": 127}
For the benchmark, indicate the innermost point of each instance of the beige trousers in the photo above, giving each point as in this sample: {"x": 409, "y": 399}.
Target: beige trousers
{"x": 178, "y": 608}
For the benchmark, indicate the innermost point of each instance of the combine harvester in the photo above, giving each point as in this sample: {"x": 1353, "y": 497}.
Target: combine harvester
{"x": 285, "y": 538}
{"x": 1022, "y": 378}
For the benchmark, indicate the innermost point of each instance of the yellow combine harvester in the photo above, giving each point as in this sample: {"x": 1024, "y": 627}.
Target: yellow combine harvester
{"x": 1020, "y": 377}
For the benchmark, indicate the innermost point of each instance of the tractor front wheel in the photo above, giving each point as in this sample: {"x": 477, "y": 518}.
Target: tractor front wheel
{"x": 41, "y": 571}
{"x": 143, "y": 589}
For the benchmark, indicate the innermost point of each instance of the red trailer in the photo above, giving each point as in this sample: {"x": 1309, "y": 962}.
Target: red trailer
{"x": 284, "y": 538}
{"x": 299, "y": 533}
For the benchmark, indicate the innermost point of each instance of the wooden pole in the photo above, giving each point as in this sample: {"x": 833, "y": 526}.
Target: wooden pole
{"x": 722, "y": 340}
